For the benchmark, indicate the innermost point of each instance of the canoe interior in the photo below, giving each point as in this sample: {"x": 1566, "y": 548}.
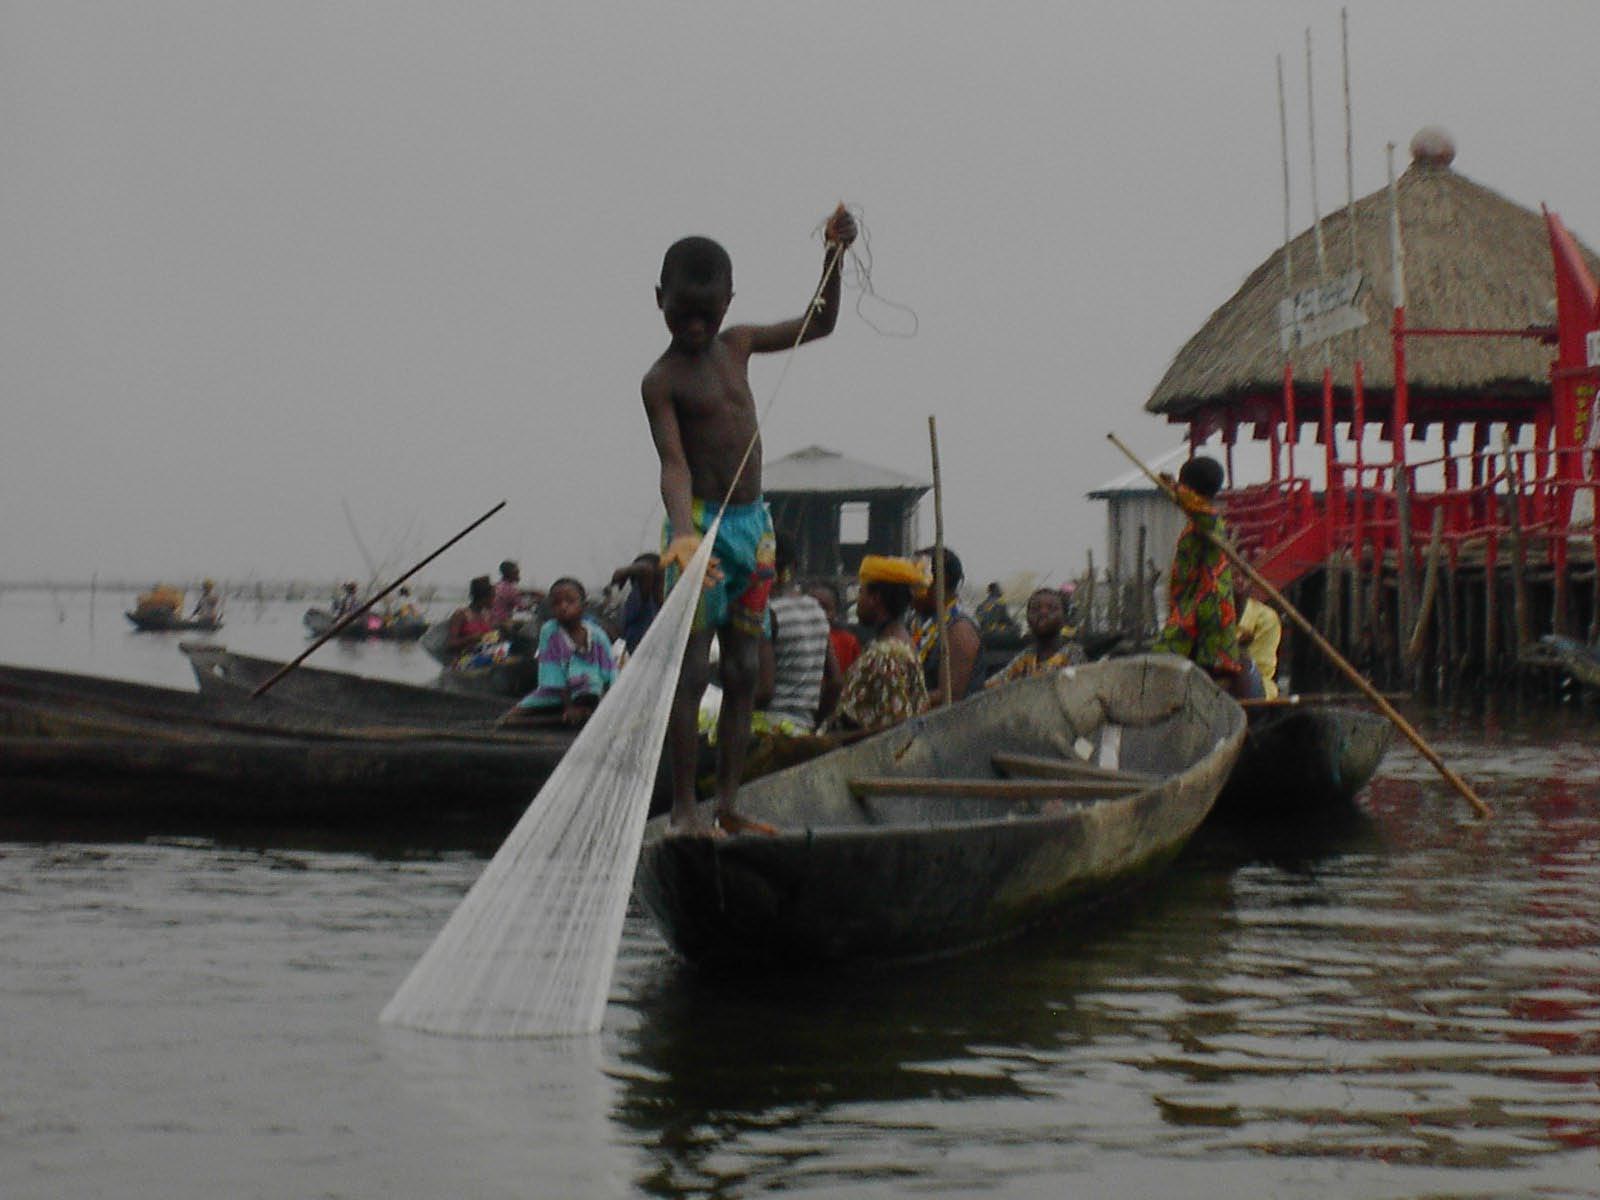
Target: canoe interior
{"x": 1150, "y": 717}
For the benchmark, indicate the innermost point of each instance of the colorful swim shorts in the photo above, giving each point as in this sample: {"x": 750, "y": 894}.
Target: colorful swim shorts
{"x": 746, "y": 554}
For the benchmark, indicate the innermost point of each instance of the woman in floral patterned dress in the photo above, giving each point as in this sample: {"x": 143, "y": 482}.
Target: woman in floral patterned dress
{"x": 885, "y": 685}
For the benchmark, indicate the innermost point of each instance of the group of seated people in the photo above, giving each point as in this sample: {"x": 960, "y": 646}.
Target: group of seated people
{"x": 816, "y": 675}
{"x": 481, "y": 630}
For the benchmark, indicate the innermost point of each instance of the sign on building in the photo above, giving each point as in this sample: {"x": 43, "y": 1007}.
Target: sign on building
{"x": 1591, "y": 342}
{"x": 1319, "y": 313}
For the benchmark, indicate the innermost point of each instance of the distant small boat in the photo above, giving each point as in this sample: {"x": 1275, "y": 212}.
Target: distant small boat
{"x": 958, "y": 827}
{"x": 161, "y": 620}
{"x": 369, "y": 625}
{"x": 1303, "y": 758}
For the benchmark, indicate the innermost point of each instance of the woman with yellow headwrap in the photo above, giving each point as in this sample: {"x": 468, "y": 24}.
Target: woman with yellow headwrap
{"x": 884, "y": 686}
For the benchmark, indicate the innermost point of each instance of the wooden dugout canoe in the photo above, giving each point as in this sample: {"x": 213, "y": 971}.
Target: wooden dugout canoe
{"x": 222, "y": 673}
{"x": 162, "y": 621}
{"x": 959, "y": 827}
{"x": 80, "y": 746}
{"x": 1300, "y": 759}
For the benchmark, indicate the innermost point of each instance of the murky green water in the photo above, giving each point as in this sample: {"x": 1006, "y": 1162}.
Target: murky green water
{"x": 1404, "y": 1004}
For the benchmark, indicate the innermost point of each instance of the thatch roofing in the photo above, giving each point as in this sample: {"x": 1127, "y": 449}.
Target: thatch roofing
{"x": 1473, "y": 259}
{"x": 817, "y": 469}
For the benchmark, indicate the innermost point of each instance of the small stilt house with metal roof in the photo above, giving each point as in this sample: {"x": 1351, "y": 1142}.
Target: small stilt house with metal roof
{"x": 838, "y": 509}
{"x": 1443, "y": 363}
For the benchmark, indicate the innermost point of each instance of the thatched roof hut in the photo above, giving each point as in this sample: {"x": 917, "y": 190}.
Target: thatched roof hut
{"x": 1473, "y": 260}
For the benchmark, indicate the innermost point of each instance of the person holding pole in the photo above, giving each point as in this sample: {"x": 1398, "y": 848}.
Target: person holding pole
{"x": 1203, "y": 624}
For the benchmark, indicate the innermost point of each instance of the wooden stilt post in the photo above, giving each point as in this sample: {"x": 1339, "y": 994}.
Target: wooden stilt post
{"x": 1407, "y": 597}
{"x": 1491, "y": 611}
{"x": 1519, "y": 582}
{"x": 1430, "y": 592}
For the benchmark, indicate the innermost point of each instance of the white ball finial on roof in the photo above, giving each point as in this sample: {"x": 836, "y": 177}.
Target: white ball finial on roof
{"x": 1433, "y": 146}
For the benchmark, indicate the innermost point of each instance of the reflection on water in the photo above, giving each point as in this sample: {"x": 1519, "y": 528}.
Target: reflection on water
{"x": 1399, "y": 1003}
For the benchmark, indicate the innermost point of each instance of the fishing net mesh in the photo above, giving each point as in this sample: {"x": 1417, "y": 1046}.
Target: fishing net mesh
{"x": 531, "y": 949}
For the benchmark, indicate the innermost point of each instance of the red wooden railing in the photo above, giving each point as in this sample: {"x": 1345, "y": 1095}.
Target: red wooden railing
{"x": 1287, "y": 530}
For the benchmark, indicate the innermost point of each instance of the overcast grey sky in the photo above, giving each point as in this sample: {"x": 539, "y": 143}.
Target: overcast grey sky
{"x": 264, "y": 255}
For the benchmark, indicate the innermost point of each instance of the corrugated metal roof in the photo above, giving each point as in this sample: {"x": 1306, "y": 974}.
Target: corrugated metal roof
{"x": 818, "y": 469}
{"x": 1136, "y": 480}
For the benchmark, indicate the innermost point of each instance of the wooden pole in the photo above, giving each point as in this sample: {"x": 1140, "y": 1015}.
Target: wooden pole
{"x": 1402, "y": 557}
{"x": 1430, "y": 590}
{"x": 1519, "y": 588}
{"x": 1371, "y": 693}
{"x": 345, "y": 620}
{"x": 1491, "y": 613}
{"x": 1086, "y": 618}
{"x": 1140, "y": 587}
{"x": 941, "y": 619}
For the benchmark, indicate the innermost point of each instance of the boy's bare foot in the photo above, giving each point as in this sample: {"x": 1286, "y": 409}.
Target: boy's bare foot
{"x": 693, "y": 824}
{"x": 730, "y": 822}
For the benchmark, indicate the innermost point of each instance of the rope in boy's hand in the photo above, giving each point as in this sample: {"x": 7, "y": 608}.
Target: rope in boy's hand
{"x": 681, "y": 549}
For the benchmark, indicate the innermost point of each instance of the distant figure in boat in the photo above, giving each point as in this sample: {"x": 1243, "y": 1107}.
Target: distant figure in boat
{"x": 209, "y": 607}
{"x": 798, "y": 674}
{"x": 703, "y": 420}
{"x": 642, "y": 578}
{"x": 1052, "y": 647}
{"x": 1260, "y": 631}
{"x": 473, "y": 637}
{"x": 347, "y": 601}
{"x": 575, "y": 663}
{"x": 405, "y": 608}
{"x": 510, "y": 597}
{"x": 1203, "y": 624}
{"x": 994, "y": 618}
{"x": 966, "y": 645}
{"x": 846, "y": 646}
{"x": 885, "y": 686}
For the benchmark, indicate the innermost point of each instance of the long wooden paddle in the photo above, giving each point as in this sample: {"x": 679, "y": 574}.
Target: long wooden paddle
{"x": 350, "y": 616}
{"x": 1337, "y": 659}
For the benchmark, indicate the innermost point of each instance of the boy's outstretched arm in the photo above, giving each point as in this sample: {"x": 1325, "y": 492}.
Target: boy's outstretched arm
{"x": 676, "y": 485}
{"x": 765, "y": 339}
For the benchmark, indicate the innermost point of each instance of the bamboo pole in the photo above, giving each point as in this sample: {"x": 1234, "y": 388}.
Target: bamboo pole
{"x": 1371, "y": 693}
{"x": 345, "y": 620}
{"x": 941, "y": 618}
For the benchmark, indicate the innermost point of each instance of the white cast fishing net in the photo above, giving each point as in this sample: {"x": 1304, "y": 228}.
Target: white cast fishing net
{"x": 531, "y": 949}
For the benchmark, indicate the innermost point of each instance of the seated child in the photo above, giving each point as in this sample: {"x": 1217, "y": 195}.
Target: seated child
{"x": 1050, "y": 651}
{"x": 575, "y": 663}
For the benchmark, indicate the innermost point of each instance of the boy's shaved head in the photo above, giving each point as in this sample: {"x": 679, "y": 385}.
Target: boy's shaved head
{"x": 696, "y": 261}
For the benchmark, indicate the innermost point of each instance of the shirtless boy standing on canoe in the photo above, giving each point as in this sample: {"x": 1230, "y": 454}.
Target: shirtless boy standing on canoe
{"x": 703, "y": 418}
